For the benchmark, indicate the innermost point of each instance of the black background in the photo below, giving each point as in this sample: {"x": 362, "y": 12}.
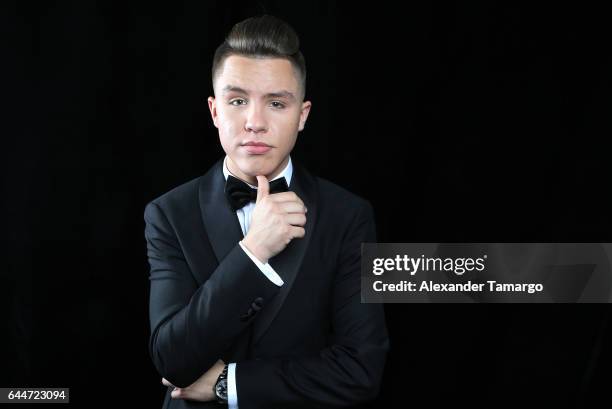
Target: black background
{"x": 458, "y": 122}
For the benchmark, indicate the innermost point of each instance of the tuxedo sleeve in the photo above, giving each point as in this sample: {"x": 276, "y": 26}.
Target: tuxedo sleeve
{"x": 266, "y": 269}
{"x": 191, "y": 324}
{"x": 349, "y": 370}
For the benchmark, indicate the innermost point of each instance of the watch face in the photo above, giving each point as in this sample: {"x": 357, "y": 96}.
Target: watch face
{"x": 221, "y": 389}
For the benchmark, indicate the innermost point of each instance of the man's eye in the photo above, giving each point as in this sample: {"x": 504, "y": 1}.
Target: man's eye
{"x": 276, "y": 104}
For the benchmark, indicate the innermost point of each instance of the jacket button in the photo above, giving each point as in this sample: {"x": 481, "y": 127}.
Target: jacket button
{"x": 248, "y": 315}
{"x": 257, "y": 303}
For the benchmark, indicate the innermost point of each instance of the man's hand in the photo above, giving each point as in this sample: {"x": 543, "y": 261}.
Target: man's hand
{"x": 277, "y": 219}
{"x": 202, "y": 389}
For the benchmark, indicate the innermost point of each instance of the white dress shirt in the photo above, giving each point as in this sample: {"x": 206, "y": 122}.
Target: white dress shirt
{"x": 244, "y": 217}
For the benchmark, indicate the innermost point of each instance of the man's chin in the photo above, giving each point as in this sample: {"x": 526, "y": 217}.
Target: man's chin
{"x": 255, "y": 169}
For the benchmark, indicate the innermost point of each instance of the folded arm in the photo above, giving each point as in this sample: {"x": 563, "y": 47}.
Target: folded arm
{"x": 191, "y": 325}
{"x": 349, "y": 370}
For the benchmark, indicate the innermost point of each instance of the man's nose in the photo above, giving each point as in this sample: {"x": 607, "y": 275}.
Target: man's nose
{"x": 256, "y": 121}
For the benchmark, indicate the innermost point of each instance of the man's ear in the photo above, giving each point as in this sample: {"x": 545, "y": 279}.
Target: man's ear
{"x": 212, "y": 106}
{"x": 304, "y": 114}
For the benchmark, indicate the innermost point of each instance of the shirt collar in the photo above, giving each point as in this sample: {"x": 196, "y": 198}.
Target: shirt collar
{"x": 286, "y": 173}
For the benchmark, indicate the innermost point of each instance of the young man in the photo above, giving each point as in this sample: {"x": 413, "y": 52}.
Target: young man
{"x": 255, "y": 266}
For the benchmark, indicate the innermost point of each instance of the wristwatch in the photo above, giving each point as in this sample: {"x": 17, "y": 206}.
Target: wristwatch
{"x": 220, "y": 388}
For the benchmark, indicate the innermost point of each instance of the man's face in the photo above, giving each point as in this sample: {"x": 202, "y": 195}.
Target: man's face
{"x": 257, "y": 101}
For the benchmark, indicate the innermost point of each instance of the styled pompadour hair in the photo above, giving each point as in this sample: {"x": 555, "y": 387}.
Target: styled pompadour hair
{"x": 262, "y": 36}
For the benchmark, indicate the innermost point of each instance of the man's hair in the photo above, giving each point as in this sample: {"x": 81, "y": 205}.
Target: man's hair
{"x": 263, "y": 36}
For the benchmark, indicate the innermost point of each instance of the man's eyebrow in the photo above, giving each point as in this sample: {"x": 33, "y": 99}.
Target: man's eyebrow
{"x": 278, "y": 94}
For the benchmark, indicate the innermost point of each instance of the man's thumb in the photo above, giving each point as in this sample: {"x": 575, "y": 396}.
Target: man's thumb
{"x": 263, "y": 188}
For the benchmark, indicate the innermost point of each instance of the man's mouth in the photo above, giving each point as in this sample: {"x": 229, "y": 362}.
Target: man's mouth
{"x": 254, "y": 143}
{"x": 256, "y": 148}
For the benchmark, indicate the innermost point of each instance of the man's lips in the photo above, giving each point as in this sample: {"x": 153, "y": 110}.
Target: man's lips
{"x": 256, "y": 148}
{"x": 252, "y": 143}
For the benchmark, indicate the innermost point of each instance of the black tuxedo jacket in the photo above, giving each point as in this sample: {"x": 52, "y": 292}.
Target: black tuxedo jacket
{"x": 309, "y": 343}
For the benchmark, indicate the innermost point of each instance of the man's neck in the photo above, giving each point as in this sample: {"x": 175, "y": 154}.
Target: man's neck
{"x": 235, "y": 170}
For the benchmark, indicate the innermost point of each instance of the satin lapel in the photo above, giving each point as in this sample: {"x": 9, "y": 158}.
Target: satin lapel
{"x": 287, "y": 263}
{"x": 224, "y": 232}
{"x": 222, "y": 225}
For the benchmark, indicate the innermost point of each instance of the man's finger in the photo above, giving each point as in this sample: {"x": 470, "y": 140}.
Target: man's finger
{"x": 263, "y": 188}
{"x": 286, "y": 197}
{"x": 165, "y": 382}
{"x": 293, "y": 207}
{"x": 183, "y": 393}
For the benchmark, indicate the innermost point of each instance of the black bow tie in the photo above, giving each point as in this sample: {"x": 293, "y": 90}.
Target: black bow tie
{"x": 239, "y": 194}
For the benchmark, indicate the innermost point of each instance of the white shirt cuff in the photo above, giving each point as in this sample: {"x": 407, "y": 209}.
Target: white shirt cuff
{"x": 265, "y": 268}
{"x": 232, "y": 392}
